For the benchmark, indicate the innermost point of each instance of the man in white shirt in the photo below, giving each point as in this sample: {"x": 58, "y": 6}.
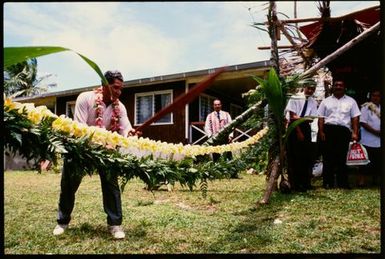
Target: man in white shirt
{"x": 100, "y": 107}
{"x": 215, "y": 122}
{"x": 337, "y": 126}
{"x": 299, "y": 149}
{"x": 370, "y": 121}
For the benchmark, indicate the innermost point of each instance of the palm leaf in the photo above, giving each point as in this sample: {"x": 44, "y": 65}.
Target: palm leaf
{"x": 292, "y": 126}
{"x": 273, "y": 91}
{"x": 14, "y": 55}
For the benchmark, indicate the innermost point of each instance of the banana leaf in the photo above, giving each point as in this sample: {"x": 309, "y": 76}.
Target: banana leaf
{"x": 14, "y": 55}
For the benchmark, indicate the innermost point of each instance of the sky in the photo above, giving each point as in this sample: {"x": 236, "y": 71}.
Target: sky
{"x": 147, "y": 39}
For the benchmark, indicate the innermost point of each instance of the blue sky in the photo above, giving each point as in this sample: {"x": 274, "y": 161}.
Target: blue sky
{"x": 146, "y": 39}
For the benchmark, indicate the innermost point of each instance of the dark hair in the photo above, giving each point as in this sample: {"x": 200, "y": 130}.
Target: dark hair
{"x": 373, "y": 91}
{"x": 111, "y": 75}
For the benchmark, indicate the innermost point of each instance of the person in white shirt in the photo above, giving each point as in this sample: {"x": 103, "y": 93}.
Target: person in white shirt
{"x": 370, "y": 121}
{"x": 337, "y": 126}
{"x": 215, "y": 122}
{"x": 102, "y": 108}
{"x": 299, "y": 149}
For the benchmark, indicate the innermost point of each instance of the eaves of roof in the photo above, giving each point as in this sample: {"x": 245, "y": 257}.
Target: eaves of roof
{"x": 154, "y": 80}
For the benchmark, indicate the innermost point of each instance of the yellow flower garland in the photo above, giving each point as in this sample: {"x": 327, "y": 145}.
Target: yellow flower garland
{"x": 139, "y": 147}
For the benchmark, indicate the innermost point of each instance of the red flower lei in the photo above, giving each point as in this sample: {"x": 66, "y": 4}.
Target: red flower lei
{"x": 114, "y": 124}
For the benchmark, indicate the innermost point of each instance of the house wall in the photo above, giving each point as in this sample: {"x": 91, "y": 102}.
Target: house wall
{"x": 172, "y": 133}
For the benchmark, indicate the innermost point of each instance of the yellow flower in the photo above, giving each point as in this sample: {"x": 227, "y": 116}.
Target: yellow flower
{"x": 34, "y": 117}
{"x": 8, "y": 103}
{"x": 134, "y": 145}
{"x": 113, "y": 139}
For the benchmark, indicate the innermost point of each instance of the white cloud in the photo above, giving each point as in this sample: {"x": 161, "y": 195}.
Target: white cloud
{"x": 144, "y": 39}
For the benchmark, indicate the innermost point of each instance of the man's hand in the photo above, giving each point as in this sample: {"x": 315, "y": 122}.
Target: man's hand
{"x": 134, "y": 132}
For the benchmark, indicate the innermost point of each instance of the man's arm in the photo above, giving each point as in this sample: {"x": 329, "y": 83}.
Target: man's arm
{"x": 321, "y": 133}
{"x": 81, "y": 108}
{"x": 355, "y": 114}
{"x": 293, "y": 117}
{"x": 370, "y": 129}
{"x": 124, "y": 121}
{"x": 208, "y": 129}
{"x": 355, "y": 122}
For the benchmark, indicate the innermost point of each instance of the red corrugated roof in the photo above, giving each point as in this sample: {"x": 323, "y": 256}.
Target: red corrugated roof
{"x": 369, "y": 16}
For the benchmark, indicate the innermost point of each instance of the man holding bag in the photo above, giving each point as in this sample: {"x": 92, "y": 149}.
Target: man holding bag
{"x": 337, "y": 126}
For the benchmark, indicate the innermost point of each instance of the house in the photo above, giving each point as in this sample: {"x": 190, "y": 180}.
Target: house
{"x": 145, "y": 97}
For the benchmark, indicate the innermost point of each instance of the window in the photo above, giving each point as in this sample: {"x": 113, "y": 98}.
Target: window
{"x": 148, "y": 104}
{"x": 70, "y": 109}
{"x": 235, "y": 110}
{"x": 205, "y": 106}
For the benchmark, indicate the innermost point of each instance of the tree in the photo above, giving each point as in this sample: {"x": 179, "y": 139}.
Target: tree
{"x": 21, "y": 79}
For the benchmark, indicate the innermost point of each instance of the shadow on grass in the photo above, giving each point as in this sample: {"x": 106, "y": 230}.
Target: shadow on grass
{"x": 256, "y": 230}
{"x": 88, "y": 231}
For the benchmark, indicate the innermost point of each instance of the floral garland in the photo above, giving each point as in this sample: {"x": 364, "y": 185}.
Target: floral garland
{"x": 115, "y": 118}
{"x": 372, "y": 107}
{"x": 137, "y": 146}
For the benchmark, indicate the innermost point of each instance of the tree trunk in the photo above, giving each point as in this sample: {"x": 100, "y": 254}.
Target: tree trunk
{"x": 275, "y": 151}
{"x": 272, "y": 182}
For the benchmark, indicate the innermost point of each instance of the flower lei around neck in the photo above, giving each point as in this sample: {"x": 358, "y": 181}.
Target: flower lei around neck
{"x": 372, "y": 107}
{"x": 99, "y": 109}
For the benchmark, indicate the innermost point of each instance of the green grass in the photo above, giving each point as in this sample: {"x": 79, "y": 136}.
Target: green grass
{"x": 229, "y": 220}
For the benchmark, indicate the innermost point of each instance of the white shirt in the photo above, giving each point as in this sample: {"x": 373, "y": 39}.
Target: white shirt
{"x": 296, "y": 104}
{"x": 370, "y": 118}
{"x": 85, "y": 112}
{"x": 339, "y": 111}
{"x": 213, "y": 125}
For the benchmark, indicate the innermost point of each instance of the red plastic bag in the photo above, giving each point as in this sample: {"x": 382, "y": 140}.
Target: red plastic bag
{"x": 357, "y": 154}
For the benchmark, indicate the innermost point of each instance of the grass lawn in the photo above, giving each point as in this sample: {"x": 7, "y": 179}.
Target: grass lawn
{"x": 227, "y": 221}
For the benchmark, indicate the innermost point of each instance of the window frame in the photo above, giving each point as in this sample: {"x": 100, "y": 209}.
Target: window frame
{"x": 153, "y": 93}
{"x": 211, "y": 99}
{"x": 68, "y": 105}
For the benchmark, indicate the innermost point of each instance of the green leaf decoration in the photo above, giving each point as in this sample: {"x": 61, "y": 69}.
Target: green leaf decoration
{"x": 95, "y": 67}
{"x": 292, "y": 126}
{"x": 14, "y": 55}
{"x": 273, "y": 91}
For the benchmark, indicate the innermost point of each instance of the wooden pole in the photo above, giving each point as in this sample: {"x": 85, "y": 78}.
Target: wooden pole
{"x": 183, "y": 99}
